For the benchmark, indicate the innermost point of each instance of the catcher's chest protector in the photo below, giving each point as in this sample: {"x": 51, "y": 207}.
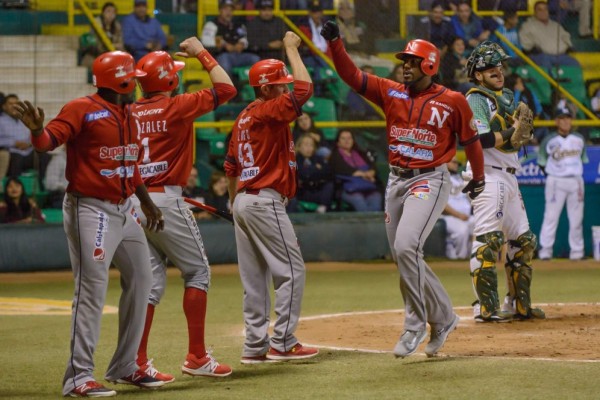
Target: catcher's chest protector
{"x": 501, "y": 105}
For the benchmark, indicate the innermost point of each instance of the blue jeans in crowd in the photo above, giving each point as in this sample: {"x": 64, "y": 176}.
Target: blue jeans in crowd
{"x": 363, "y": 201}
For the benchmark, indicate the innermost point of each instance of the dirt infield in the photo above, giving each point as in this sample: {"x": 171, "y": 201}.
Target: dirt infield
{"x": 571, "y": 331}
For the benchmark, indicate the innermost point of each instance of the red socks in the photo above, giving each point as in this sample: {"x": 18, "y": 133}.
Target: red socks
{"x": 142, "y": 357}
{"x": 194, "y": 307}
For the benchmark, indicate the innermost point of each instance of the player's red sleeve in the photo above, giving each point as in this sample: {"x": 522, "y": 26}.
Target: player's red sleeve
{"x": 474, "y": 154}
{"x": 224, "y": 92}
{"x": 43, "y": 142}
{"x": 366, "y": 85}
{"x": 230, "y": 164}
{"x": 288, "y": 107}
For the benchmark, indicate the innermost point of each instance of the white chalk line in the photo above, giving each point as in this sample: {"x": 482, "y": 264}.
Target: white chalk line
{"x": 401, "y": 311}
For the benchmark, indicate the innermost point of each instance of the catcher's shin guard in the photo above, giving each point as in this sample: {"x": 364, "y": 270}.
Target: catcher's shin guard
{"x": 483, "y": 266}
{"x": 520, "y": 254}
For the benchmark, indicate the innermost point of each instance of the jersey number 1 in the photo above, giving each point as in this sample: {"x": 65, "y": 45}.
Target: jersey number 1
{"x": 146, "y": 144}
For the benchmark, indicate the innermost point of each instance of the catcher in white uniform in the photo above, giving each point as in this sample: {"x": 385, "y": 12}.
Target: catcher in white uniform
{"x": 561, "y": 157}
{"x": 499, "y": 211}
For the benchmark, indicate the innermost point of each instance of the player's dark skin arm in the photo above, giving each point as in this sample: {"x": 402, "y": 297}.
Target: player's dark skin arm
{"x": 155, "y": 220}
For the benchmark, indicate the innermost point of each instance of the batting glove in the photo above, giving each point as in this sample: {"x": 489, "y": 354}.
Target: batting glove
{"x": 474, "y": 188}
{"x": 330, "y": 31}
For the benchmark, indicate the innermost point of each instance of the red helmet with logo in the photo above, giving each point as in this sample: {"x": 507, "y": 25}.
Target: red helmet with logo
{"x": 269, "y": 72}
{"x": 161, "y": 72}
{"x": 115, "y": 70}
{"x": 425, "y": 50}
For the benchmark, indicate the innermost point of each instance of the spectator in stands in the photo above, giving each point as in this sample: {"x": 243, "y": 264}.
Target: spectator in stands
{"x": 315, "y": 181}
{"x": 562, "y": 8}
{"x": 6, "y": 141}
{"x": 358, "y": 107}
{"x": 226, "y": 39}
{"x": 356, "y": 172}
{"x": 142, "y": 33}
{"x": 193, "y": 191}
{"x": 304, "y": 4}
{"x": 436, "y": 28}
{"x": 522, "y": 93}
{"x": 468, "y": 26}
{"x": 452, "y": 67}
{"x": 382, "y": 14}
{"x": 311, "y": 27}
{"x": 353, "y": 33}
{"x": 509, "y": 29}
{"x": 55, "y": 180}
{"x": 305, "y": 125}
{"x": 265, "y": 33}
{"x": 217, "y": 195}
{"x": 17, "y": 207}
{"x": 397, "y": 74}
{"x": 22, "y": 156}
{"x": 594, "y": 101}
{"x": 545, "y": 40}
{"x": 458, "y": 216}
{"x": 107, "y": 20}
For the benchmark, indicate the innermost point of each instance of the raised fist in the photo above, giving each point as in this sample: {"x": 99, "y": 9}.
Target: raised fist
{"x": 330, "y": 31}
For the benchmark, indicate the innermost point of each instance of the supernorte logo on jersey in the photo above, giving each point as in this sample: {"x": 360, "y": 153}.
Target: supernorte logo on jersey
{"x": 119, "y": 153}
{"x": 420, "y": 136}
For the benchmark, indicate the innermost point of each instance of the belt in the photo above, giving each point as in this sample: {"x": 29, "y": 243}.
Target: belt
{"x": 270, "y": 193}
{"x": 510, "y": 170}
{"x": 156, "y": 189}
{"x": 116, "y": 202}
{"x": 408, "y": 173}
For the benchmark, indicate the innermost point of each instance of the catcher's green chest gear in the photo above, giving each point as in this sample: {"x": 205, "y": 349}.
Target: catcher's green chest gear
{"x": 498, "y": 107}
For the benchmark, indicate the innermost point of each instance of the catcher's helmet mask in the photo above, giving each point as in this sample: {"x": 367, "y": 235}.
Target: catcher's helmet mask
{"x": 485, "y": 56}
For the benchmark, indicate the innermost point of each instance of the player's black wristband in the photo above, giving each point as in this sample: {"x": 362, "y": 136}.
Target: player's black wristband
{"x": 488, "y": 140}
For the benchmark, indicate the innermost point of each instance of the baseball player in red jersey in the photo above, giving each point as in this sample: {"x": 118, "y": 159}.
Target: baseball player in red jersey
{"x": 101, "y": 221}
{"x": 164, "y": 124}
{"x": 261, "y": 167}
{"x": 423, "y": 120}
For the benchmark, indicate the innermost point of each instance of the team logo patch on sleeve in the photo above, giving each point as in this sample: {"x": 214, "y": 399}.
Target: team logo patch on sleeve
{"x": 94, "y": 116}
{"x": 420, "y": 189}
{"x": 101, "y": 230}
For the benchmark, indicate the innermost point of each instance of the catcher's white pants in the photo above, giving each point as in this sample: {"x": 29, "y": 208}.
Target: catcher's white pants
{"x": 558, "y": 191}
{"x": 498, "y": 208}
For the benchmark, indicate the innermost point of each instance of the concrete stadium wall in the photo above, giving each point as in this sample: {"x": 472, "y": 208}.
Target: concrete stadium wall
{"x": 329, "y": 237}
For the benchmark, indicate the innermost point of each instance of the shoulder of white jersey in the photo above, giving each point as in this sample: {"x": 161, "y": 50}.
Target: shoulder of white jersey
{"x": 579, "y": 136}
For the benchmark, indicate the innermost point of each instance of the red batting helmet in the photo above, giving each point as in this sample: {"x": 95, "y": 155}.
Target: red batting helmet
{"x": 269, "y": 72}
{"x": 425, "y": 50}
{"x": 115, "y": 70}
{"x": 161, "y": 72}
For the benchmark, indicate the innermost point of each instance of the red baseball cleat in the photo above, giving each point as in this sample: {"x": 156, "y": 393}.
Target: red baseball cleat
{"x": 92, "y": 389}
{"x": 149, "y": 369}
{"x": 298, "y": 352}
{"x": 205, "y": 366}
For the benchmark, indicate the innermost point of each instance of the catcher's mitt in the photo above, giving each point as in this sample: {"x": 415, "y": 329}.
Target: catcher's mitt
{"x": 524, "y": 129}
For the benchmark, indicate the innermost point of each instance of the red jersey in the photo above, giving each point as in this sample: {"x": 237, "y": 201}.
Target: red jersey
{"x": 102, "y": 151}
{"x": 261, "y": 150}
{"x": 421, "y": 130}
{"x": 164, "y": 126}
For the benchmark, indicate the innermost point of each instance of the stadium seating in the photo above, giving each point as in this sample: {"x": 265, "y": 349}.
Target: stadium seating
{"x": 322, "y": 109}
{"x": 571, "y": 79}
{"x": 53, "y": 215}
{"x": 536, "y": 83}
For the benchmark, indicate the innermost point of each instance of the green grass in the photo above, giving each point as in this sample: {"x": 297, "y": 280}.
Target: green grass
{"x": 34, "y": 349}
